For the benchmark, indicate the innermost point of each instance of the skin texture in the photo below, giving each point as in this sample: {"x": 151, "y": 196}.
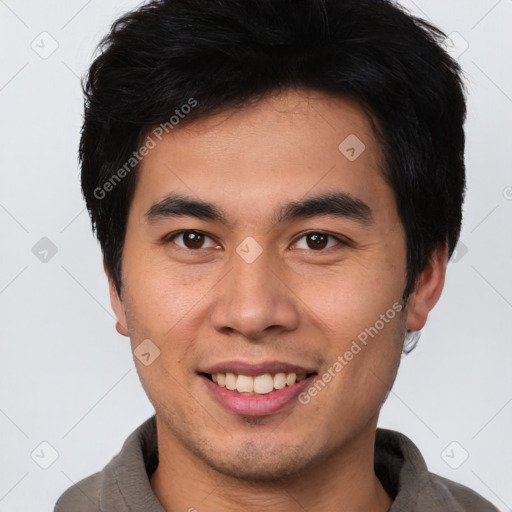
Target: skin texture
{"x": 294, "y": 303}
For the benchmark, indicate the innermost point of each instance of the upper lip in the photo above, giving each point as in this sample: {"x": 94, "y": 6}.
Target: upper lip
{"x": 256, "y": 368}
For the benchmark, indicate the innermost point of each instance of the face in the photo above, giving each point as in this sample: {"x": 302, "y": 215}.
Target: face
{"x": 255, "y": 247}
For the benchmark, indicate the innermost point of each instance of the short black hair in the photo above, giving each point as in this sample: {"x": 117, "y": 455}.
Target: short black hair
{"x": 213, "y": 55}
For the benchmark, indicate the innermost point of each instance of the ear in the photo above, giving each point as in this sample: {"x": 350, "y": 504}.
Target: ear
{"x": 117, "y": 305}
{"x": 428, "y": 289}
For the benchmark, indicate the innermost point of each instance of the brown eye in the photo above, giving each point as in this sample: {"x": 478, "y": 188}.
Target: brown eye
{"x": 318, "y": 240}
{"x": 192, "y": 240}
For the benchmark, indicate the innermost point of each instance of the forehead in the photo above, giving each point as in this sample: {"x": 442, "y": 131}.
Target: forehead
{"x": 279, "y": 149}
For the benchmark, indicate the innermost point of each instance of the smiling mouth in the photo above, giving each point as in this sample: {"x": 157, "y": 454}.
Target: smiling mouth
{"x": 256, "y": 385}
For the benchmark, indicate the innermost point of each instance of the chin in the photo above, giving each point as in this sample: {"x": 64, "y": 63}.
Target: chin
{"x": 254, "y": 463}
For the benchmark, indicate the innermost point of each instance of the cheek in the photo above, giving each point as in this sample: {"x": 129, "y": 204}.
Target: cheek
{"x": 359, "y": 370}
{"x": 165, "y": 306}
{"x": 352, "y": 299}
{"x": 161, "y": 295}
{"x": 361, "y": 315}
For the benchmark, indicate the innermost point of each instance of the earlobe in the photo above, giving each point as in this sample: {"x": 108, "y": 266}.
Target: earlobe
{"x": 121, "y": 329}
{"x": 117, "y": 306}
{"x": 428, "y": 290}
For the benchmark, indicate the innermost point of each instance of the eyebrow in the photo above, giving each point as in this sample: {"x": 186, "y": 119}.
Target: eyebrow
{"x": 337, "y": 204}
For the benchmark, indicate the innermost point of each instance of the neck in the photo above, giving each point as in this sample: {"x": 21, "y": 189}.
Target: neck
{"x": 347, "y": 478}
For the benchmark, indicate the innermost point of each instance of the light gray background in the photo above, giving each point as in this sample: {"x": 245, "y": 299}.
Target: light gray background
{"x": 67, "y": 377}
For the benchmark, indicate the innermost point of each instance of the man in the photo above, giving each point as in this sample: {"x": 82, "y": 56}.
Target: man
{"x": 277, "y": 187}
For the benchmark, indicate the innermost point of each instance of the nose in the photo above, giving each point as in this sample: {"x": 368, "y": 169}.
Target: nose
{"x": 254, "y": 300}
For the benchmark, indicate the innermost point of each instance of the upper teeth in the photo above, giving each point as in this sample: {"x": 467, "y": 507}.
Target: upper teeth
{"x": 260, "y": 384}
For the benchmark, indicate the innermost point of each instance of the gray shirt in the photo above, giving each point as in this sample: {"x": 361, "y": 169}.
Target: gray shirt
{"x": 123, "y": 484}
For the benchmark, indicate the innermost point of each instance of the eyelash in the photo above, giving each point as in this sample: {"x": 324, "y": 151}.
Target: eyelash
{"x": 340, "y": 242}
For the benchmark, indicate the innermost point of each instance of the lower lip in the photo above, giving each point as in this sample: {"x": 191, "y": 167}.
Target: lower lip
{"x": 256, "y": 405}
